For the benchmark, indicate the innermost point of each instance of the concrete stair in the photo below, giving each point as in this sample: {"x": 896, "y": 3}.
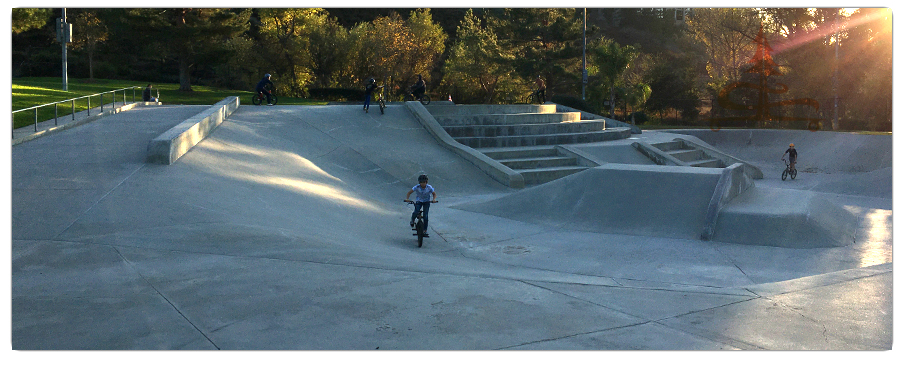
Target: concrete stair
{"x": 524, "y": 136}
{"x": 689, "y": 155}
{"x": 537, "y": 165}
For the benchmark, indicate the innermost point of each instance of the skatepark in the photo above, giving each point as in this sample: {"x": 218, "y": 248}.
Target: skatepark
{"x": 284, "y": 229}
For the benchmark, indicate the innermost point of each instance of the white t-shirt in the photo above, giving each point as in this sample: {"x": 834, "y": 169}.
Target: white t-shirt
{"x": 423, "y": 194}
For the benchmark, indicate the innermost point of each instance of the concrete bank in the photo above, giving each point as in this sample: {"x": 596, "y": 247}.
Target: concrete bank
{"x": 169, "y": 146}
{"x": 494, "y": 169}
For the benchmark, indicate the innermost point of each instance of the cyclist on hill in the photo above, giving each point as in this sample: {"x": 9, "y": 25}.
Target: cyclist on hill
{"x": 425, "y": 196}
{"x": 261, "y": 87}
{"x": 792, "y": 155}
{"x": 540, "y": 88}
{"x": 418, "y": 89}
{"x": 371, "y": 87}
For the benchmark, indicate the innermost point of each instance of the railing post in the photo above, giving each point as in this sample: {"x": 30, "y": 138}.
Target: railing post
{"x": 55, "y": 114}
{"x": 35, "y": 119}
{"x": 101, "y": 102}
{"x": 89, "y": 105}
{"x": 114, "y": 101}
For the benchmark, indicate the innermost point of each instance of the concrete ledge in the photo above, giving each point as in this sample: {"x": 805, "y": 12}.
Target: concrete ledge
{"x": 87, "y": 119}
{"x": 583, "y": 159}
{"x": 177, "y": 141}
{"x": 733, "y": 181}
{"x": 503, "y": 174}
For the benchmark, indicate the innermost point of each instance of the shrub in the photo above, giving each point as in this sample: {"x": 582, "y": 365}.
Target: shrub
{"x": 336, "y": 94}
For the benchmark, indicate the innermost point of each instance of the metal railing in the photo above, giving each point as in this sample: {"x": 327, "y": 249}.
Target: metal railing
{"x": 56, "y": 116}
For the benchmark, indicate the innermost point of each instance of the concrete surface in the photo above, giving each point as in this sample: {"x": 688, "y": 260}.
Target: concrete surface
{"x": 285, "y": 230}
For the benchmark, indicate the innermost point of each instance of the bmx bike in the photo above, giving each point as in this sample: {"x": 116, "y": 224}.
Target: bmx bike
{"x": 534, "y": 98}
{"x": 425, "y": 99}
{"x": 380, "y": 100}
{"x": 419, "y": 224}
{"x": 260, "y": 97}
{"x": 788, "y": 170}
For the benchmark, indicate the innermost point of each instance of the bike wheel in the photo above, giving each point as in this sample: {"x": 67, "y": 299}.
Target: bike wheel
{"x": 420, "y": 231}
{"x": 256, "y": 100}
{"x": 784, "y": 174}
{"x": 793, "y": 174}
{"x": 426, "y": 99}
{"x": 274, "y": 99}
{"x": 381, "y": 106}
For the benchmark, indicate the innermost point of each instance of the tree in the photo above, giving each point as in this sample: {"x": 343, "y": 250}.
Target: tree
{"x": 544, "y": 42}
{"x": 726, "y": 36}
{"x": 24, "y": 19}
{"x": 478, "y": 68}
{"x": 328, "y": 51}
{"x": 611, "y": 60}
{"x": 188, "y": 35}
{"x": 91, "y": 32}
{"x": 285, "y": 33}
{"x": 396, "y": 48}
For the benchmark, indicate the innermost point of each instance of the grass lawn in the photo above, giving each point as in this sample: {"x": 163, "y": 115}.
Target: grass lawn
{"x": 34, "y": 91}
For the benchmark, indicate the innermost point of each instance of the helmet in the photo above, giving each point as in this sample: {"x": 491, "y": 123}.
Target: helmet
{"x": 423, "y": 178}
{"x": 371, "y": 80}
{"x": 791, "y": 145}
{"x": 267, "y": 75}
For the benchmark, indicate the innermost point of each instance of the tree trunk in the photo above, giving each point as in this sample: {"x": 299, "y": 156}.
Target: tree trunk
{"x": 91, "y": 65}
{"x": 184, "y": 75}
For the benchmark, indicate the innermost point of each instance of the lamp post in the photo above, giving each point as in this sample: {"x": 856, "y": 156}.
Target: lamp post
{"x": 64, "y": 36}
{"x": 584, "y": 55}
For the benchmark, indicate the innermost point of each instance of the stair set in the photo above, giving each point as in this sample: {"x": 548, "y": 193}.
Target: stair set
{"x": 679, "y": 152}
{"x": 525, "y": 138}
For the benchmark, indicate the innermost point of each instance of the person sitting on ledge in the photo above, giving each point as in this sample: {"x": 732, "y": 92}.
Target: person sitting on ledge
{"x": 148, "y": 96}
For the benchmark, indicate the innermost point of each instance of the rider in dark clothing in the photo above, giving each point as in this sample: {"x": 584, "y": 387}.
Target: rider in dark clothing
{"x": 418, "y": 89}
{"x": 261, "y": 87}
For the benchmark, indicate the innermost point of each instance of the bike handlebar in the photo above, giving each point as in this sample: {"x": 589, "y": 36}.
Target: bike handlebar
{"x": 409, "y": 201}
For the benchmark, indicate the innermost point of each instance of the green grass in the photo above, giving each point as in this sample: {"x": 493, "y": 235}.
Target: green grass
{"x": 34, "y": 91}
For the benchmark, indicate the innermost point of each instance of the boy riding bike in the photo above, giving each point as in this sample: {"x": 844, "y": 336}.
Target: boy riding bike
{"x": 261, "y": 87}
{"x": 418, "y": 89}
{"x": 425, "y": 196}
{"x": 792, "y": 155}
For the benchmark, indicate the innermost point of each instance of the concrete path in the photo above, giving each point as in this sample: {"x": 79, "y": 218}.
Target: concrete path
{"x": 285, "y": 230}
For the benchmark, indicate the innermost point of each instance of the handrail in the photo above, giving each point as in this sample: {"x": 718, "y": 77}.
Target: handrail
{"x": 72, "y": 100}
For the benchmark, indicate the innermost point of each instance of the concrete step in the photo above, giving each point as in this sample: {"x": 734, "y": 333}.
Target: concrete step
{"x": 478, "y": 109}
{"x": 669, "y": 146}
{"x": 507, "y": 119}
{"x": 688, "y": 154}
{"x": 707, "y": 163}
{"x": 544, "y": 139}
{"x": 543, "y": 175}
{"x": 525, "y": 129}
{"x": 519, "y": 152}
{"x": 540, "y": 162}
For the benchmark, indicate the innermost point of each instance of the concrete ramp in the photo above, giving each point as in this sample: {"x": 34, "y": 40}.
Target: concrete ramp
{"x": 785, "y": 218}
{"x": 672, "y": 201}
{"x": 649, "y": 200}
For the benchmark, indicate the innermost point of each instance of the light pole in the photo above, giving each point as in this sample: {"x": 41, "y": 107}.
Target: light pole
{"x": 584, "y": 55}
{"x": 64, "y": 35}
